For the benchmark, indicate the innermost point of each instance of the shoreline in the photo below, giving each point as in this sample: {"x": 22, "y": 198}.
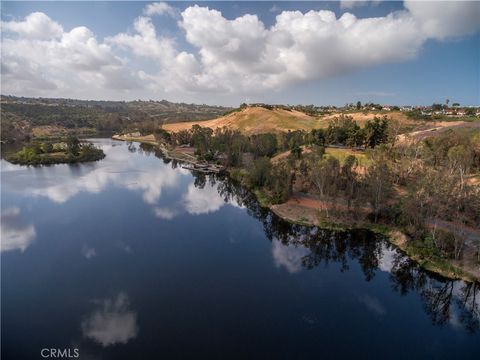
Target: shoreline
{"x": 393, "y": 235}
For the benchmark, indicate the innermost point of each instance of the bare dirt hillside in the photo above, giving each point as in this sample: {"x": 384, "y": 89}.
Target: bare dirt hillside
{"x": 436, "y": 128}
{"x": 255, "y": 120}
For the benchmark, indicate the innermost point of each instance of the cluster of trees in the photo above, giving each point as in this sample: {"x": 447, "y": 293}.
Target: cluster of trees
{"x": 343, "y": 130}
{"x": 433, "y": 174}
{"x": 69, "y": 151}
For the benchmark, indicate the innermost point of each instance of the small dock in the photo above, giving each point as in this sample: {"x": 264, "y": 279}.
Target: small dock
{"x": 205, "y": 168}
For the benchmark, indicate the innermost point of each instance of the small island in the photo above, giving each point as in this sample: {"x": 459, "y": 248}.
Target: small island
{"x": 65, "y": 151}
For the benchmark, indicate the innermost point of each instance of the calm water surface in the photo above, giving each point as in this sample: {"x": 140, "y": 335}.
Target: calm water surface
{"x": 136, "y": 258}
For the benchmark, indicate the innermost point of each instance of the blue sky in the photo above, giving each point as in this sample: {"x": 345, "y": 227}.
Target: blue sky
{"x": 106, "y": 50}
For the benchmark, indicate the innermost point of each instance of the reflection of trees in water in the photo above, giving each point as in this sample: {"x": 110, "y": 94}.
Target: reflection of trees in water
{"x": 445, "y": 301}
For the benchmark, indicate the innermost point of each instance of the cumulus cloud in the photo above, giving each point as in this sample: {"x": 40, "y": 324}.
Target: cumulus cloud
{"x": 239, "y": 56}
{"x": 112, "y": 323}
{"x": 445, "y": 19}
{"x": 159, "y": 8}
{"x": 37, "y": 25}
{"x": 41, "y": 56}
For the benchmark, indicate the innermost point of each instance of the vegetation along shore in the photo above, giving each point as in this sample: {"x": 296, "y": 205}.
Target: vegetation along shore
{"x": 415, "y": 180}
{"x": 67, "y": 150}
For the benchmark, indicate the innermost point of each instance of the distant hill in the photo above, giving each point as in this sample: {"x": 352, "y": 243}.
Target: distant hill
{"x": 254, "y": 120}
{"x": 41, "y": 115}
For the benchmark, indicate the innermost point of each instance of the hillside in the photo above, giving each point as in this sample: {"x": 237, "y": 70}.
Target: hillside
{"x": 254, "y": 120}
{"x": 24, "y": 117}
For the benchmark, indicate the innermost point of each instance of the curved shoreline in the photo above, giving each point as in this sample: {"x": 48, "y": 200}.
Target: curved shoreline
{"x": 394, "y": 235}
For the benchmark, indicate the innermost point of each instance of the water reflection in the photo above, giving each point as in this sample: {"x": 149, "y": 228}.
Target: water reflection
{"x": 372, "y": 304}
{"x": 112, "y": 323}
{"x": 120, "y": 170}
{"x": 16, "y": 233}
{"x": 88, "y": 252}
{"x": 288, "y": 257}
{"x": 296, "y": 247}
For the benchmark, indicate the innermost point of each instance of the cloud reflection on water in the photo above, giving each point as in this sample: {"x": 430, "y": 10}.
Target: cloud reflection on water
{"x": 112, "y": 323}
{"x": 121, "y": 169}
{"x": 288, "y": 257}
{"x": 16, "y": 234}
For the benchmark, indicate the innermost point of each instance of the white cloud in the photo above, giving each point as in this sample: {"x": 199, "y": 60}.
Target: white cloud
{"x": 239, "y": 57}
{"x": 444, "y": 19}
{"x": 159, "y": 8}
{"x": 112, "y": 323}
{"x": 37, "y": 25}
{"x": 350, "y": 4}
{"x": 44, "y": 59}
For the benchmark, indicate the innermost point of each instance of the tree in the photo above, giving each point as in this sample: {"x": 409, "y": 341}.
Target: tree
{"x": 47, "y": 147}
{"x": 379, "y": 184}
{"x": 376, "y": 132}
{"x": 325, "y": 175}
{"x": 359, "y": 105}
{"x": 317, "y": 137}
{"x": 296, "y": 152}
{"x": 73, "y": 145}
{"x": 349, "y": 179}
{"x": 264, "y": 145}
{"x": 280, "y": 182}
{"x": 460, "y": 159}
{"x": 201, "y": 138}
{"x": 260, "y": 171}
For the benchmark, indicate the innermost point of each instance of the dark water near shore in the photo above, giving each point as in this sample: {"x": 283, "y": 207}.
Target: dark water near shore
{"x": 133, "y": 257}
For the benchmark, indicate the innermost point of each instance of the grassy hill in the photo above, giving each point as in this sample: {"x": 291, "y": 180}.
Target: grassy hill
{"x": 24, "y": 117}
{"x": 255, "y": 120}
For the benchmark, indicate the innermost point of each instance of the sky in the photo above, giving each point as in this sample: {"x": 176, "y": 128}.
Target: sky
{"x": 226, "y": 53}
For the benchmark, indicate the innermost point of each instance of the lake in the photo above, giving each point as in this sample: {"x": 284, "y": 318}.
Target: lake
{"x": 134, "y": 257}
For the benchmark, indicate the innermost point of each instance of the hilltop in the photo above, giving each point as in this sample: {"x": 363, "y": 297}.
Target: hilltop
{"x": 255, "y": 120}
{"x": 259, "y": 119}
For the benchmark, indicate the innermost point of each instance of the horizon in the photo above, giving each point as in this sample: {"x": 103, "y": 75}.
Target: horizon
{"x": 332, "y": 53}
{"x": 349, "y": 103}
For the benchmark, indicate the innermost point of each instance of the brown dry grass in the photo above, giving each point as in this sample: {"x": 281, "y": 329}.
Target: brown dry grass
{"x": 255, "y": 120}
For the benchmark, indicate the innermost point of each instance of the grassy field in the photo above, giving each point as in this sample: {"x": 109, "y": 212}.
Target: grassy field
{"x": 341, "y": 155}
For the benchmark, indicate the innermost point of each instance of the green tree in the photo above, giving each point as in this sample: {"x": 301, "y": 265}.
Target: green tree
{"x": 296, "y": 152}
{"x": 376, "y": 132}
{"x": 48, "y": 147}
{"x": 260, "y": 171}
{"x": 73, "y": 145}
